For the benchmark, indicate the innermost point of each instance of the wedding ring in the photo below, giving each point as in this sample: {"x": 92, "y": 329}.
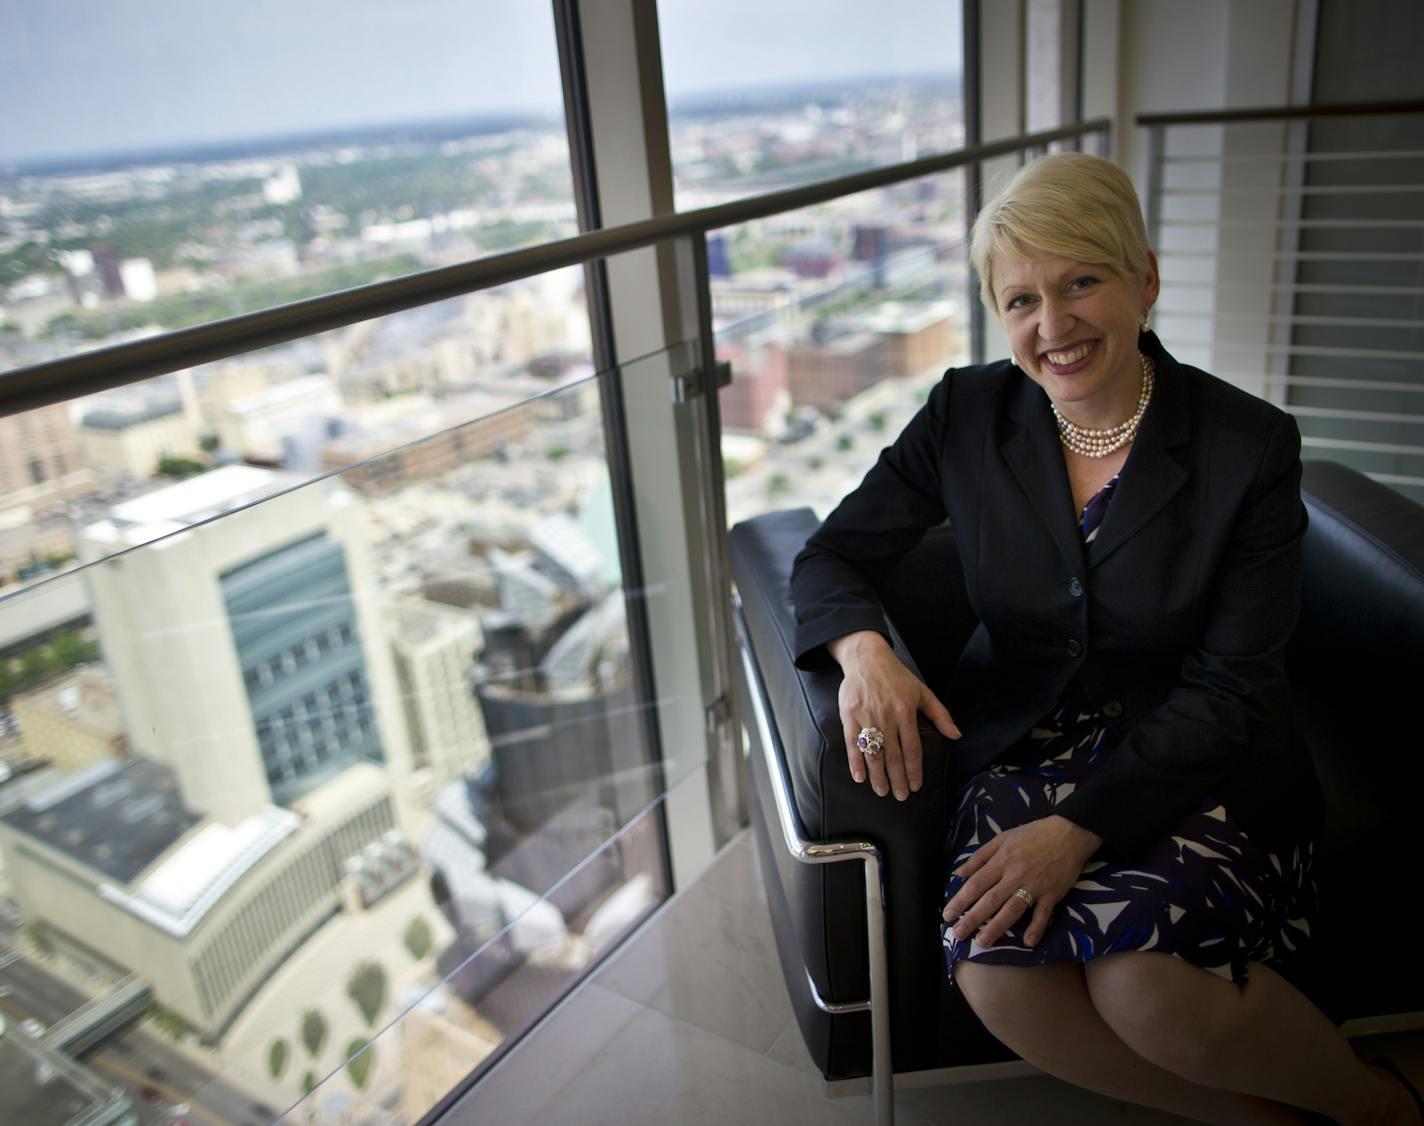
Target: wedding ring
{"x": 1025, "y": 895}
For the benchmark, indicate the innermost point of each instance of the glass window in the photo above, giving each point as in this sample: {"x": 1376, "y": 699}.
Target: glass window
{"x": 865, "y": 85}
{"x": 833, "y": 350}
{"x": 178, "y": 163}
{"x": 526, "y": 808}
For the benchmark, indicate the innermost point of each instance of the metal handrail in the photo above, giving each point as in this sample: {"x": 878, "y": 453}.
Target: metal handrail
{"x": 1277, "y": 113}
{"x": 882, "y": 1070}
{"x": 102, "y": 369}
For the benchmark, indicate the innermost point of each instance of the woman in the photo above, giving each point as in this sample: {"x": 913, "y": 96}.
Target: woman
{"x": 1131, "y": 845}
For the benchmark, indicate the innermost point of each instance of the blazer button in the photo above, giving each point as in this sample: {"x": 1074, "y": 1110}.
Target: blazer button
{"x": 1075, "y": 588}
{"x": 1075, "y": 647}
{"x": 1112, "y": 709}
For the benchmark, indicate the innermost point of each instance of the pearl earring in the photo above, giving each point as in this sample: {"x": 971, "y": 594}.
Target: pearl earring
{"x": 1143, "y": 324}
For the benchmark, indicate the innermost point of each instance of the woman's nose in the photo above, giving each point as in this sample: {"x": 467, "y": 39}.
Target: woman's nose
{"x": 1054, "y": 321}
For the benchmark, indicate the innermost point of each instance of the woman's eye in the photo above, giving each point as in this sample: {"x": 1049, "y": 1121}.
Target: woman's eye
{"x": 1017, "y": 302}
{"x": 1083, "y": 282}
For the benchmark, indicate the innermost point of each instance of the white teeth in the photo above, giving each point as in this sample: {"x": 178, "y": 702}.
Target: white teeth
{"x": 1062, "y": 358}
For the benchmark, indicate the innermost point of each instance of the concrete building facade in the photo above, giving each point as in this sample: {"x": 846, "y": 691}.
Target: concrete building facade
{"x": 435, "y": 649}
{"x": 202, "y": 911}
{"x": 249, "y": 653}
{"x": 134, "y": 441}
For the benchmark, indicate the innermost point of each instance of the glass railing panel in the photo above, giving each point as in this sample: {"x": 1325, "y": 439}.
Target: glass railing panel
{"x": 833, "y": 349}
{"x": 275, "y": 173}
{"x": 449, "y": 1035}
{"x": 869, "y": 85}
{"x": 364, "y": 754}
{"x": 302, "y": 409}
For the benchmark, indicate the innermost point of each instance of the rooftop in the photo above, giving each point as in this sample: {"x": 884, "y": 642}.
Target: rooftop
{"x": 179, "y": 506}
{"x": 193, "y": 878}
{"x": 122, "y": 418}
{"x": 116, "y": 818}
{"x": 84, "y": 696}
{"x": 278, "y": 394}
{"x": 192, "y": 499}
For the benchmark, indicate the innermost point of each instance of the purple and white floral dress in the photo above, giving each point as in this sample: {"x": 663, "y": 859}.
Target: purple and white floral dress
{"x": 1205, "y": 893}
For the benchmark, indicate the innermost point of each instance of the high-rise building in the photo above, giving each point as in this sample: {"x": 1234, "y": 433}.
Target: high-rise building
{"x": 36, "y": 447}
{"x": 248, "y": 653}
{"x": 435, "y": 649}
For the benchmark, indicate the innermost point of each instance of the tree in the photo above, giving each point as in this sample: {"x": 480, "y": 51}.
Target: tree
{"x": 367, "y": 987}
{"x": 844, "y": 442}
{"x": 778, "y": 484}
{"x": 208, "y": 443}
{"x": 876, "y": 420}
{"x": 167, "y": 1020}
{"x": 68, "y": 649}
{"x": 313, "y": 1032}
{"x": 308, "y": 1083}
{"x": 557, "y": 453}
{"x": 277, "y": 1057}
{"x": 179, "y": 467}
{"x": 418, "y": 938}
{"x": 35, "y": 665}
{"x": 361, "y": 1056}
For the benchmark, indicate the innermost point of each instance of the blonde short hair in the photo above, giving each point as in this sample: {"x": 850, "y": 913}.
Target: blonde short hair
{"x": 1070, "y": 205}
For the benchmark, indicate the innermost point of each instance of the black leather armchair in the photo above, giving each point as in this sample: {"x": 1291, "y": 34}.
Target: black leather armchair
{"x": 868, "y": 985}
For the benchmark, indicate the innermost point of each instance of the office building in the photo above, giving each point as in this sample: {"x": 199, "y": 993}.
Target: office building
{"x": 435, "y": 651}
{"x": 267, "y": 424}
{"x": 250, "y": 658}
{"x": 201, "y": 910}
{"x": 134, "y": 436}
{"x": 425, "y": 441}
{"x": 41, "y": 464}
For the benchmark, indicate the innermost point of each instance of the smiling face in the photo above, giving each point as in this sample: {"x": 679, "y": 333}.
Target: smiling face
{"x": 1073, "y": 330}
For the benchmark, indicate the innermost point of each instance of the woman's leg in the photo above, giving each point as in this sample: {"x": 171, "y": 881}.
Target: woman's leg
{"x": 1046, "y": 1015}
{"x": 1261, "y": 1038}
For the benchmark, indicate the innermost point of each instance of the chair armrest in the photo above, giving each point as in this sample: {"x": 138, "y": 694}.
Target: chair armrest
{"x": 805, "y": 702}
{"x": 1362, "y": 609}
{"x": 1354, "y": 670}
{"x": 832, "y": 806}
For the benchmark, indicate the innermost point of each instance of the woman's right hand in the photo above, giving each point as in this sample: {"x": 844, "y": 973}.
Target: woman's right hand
{"x": 879, "y": 691}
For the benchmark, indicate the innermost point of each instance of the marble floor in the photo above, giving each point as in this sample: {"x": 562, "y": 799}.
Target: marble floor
{"x": 689, "y": 1023}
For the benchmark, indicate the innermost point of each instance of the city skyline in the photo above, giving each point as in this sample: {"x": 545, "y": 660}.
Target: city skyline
{"x": 226, "y": 79}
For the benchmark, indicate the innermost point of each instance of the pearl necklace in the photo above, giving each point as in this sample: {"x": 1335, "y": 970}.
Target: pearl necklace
{"x": 1100, "y": 443}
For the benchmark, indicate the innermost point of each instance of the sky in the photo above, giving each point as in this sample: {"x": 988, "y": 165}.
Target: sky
{"x": 87, "y": 76}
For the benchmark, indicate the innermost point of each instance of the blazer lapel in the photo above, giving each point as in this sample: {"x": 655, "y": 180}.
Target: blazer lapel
{"x": 1031, "y": 451}
{"x": 1151, "y": 475}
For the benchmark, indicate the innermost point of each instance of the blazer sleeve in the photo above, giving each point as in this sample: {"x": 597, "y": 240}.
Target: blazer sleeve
{"x": 1171, "y": 759}
{"x": 834, "y": 577}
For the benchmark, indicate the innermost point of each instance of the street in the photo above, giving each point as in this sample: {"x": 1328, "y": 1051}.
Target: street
{"x": 136, "y": 1060}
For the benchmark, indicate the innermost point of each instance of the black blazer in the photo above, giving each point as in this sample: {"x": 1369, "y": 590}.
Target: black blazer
{"x": 1172, "y": 622}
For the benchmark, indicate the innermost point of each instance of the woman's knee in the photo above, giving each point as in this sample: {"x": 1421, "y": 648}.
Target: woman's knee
{"x": 1007, "y": 999}
{"x": 1171, "y": 1013}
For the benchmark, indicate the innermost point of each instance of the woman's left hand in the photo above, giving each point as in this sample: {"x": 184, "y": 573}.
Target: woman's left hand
{"x": 1043, "y": 857}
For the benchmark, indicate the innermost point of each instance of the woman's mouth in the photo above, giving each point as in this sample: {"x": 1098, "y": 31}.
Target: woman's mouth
{"x": 1065, "y": 361}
